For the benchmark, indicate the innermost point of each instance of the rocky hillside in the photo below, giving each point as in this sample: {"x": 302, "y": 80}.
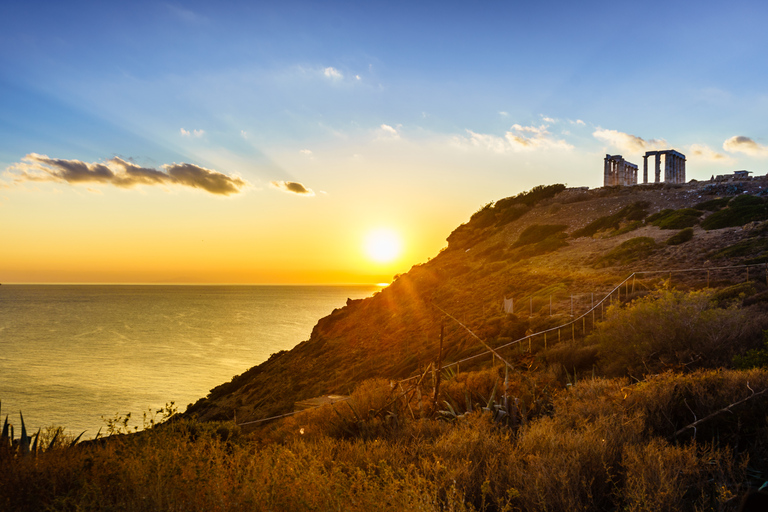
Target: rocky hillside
{"x": 549, "y": 244}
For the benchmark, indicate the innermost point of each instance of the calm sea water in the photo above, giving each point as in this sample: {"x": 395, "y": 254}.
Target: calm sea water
{"x": 70, "y": 354}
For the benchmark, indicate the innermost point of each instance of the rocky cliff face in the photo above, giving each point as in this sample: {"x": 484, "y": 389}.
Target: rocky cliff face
{"x": 539, "y": 248}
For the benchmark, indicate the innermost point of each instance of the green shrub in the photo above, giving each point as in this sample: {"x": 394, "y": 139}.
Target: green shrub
{"x": 633, "y": 212}
{"x": 681, "y": 237}
{"x": 744, "y": 248}
{"x": 741, "y": 210}
{"x": 675, "y": 219}
{"x": 671, "y": 329}
{"x": 713, "y": 204}
{"x": 753, "y": 358}
{"x": 538, "y": 232}
{"x": 632, "y": 250}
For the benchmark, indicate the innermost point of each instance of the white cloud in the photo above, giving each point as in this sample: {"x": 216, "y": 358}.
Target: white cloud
{"x": 518, "y": 138}
{"x": 193, "y": 133}
{"x": 307, "y": 152}
{"x": 332, "y": 73}
{"x": 504, "y": 114}
{"x": 579, "y": 122}
{"x": 742, "y": 144}
{"x": 627, "y": 142}
{"x": 387, "y": 132}
{"x": 548, "y": 120}
{"x": 357, "y": 77}
{"x": 244, "y": 134}
{"x": 705, "y": 153}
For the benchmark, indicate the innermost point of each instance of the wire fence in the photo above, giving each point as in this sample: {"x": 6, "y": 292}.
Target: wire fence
{"x": 578, "y": 325}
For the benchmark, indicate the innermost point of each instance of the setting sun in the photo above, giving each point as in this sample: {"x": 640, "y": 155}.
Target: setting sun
{"x": 383, "y": 245}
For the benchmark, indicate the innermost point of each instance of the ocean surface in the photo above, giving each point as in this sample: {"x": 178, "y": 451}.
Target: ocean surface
{"x": 72, "y": 354}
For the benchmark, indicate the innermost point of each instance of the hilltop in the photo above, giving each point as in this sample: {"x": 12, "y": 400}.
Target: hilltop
{"x": 553, "y": 244}
{"x": 652, "y": 400}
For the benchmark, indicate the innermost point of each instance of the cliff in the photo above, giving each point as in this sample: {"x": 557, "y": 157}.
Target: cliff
{"x": 551, "y": 245}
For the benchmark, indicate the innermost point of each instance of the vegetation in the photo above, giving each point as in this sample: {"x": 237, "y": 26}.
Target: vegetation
{"x": 501, "y": 213}
{"x": 538, "y": 232}
{"x": 633, "y": 213}
{"x": 654, "y": 402}
{"x": 682, "y": 236}
{"x": 632, "y": 250}
{"x": 741, "y": 210}
{"x": 675, "y": 219}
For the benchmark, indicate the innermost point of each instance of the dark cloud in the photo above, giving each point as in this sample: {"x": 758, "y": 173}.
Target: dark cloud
{"x": 293, "y": 187}
{"x": 125, "y": 174}
{"x": 200, "y": 177}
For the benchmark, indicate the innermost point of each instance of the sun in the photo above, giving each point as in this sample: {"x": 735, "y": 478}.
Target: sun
{"x": 383, "y": 245}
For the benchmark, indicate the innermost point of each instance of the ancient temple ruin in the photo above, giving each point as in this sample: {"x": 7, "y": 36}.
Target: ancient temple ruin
{"x": 618, "y": 171}
{"x": 674, "y": 166}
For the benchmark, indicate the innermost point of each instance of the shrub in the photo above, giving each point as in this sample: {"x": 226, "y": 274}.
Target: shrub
{"x": 746, "y": 247}
{"x": 681, "y": 237}
{"x": 675, "y": 219}
{"x": 670, "y": 329}
{"x": 537, "y": 233}
{"x": 741, "y": 210}
{"x": 633, "y": 212}
{"x": 713, "y": 205}
{"x": 632, "y": 250}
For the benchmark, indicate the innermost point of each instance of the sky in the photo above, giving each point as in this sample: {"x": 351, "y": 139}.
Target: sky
{"x": 281, "y": 142}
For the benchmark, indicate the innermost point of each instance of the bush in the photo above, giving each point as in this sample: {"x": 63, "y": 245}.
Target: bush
{"x": 538, "y": 232}
{"x": 741, "y": 210}
{"x": 713, "y": 205}
{"x": 633, "y": 212}
{"x": 681, "y": 237}
{"x": 671, "y": 329}
{"x": 675, "y": 219}
{"x": 632, "y": 250}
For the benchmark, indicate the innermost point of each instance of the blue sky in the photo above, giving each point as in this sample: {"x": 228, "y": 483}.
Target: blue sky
{"x": 396, "y": 112}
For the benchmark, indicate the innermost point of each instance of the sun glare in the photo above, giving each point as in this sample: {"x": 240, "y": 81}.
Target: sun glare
{"x": 383, "y": 245}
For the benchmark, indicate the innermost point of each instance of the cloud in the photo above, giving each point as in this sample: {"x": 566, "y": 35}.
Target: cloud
{"x": 579, "y": 122}
{"x": 704, "y": 152}
{"x": 193, "y": 133}
{"x": 518, "y": 138}
{"x": 548, "y": 120}
{"x": 123, "y": 174}
{"x": 293, "y": 187}
{"x": 504, "y": 114}
{"x": 307, "y": 152}
{"x": 742, "y": 144}
{"x": 627, "y": 142}
{"x": 387, "y": 132}
{"x": 244, "y": 134}
{"x": 332, "y": 73}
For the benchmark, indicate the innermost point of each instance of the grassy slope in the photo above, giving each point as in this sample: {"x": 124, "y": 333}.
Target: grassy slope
{"x": 395, "y": 333}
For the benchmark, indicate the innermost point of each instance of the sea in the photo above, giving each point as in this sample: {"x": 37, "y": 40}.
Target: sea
{"x": 76, "y": 355}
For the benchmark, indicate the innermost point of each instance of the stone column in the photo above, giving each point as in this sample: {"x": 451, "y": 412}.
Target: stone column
{"x": 645, "y": 169}
{"x": 658, "y": 167}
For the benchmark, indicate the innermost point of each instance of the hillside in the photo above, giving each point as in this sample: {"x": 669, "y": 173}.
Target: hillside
{"x": 550, "y": 244}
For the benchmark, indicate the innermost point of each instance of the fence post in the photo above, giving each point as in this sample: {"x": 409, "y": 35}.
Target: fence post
{"x": 440, "y": 361}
